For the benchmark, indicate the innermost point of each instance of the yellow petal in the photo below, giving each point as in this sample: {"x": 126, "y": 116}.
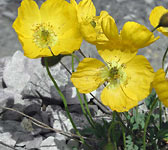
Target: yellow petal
{"x": 62, "y": 16}
{"x": 156, "y": 14}
{"x": 88, "y": 78}
{"x": 74, "y": 4}
{"x": 28, "y": 15}
{"x": 136, "y": 35}
{"x": 160, "y": 83}
{"x": 33, "y": 51}
{"x": 86, "y": 10}
{"x": 115, "y": 55}
{"x": 117, "y": 100}
{"x": 92, "y": 31}
{"x": 109, "y": 28}
{"x": 139, "y": 77}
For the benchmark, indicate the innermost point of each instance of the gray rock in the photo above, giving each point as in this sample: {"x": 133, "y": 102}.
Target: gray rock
{"x": 29, "y": 142}
{"x": 10, "y": 115}
{"x": 6, "y": 138}
{"x": 60, "y": 121}
{"x": 32, "y": 109}
{"x": 54, "y": 143}
{"x": 6, "y": 99}
{"x": 9, "y": 132}
{"x": 15, "y": 75}
{"x": 72, "y": 144}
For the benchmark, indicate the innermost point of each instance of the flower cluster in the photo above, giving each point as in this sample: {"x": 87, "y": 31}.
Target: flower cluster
{"x": 58, "y": 27}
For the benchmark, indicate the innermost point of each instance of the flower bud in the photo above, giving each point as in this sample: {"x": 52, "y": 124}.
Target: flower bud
{"x": 163, "y": 21}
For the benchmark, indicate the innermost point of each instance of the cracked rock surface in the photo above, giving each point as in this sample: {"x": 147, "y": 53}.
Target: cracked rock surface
{"x": 25, "y": 86}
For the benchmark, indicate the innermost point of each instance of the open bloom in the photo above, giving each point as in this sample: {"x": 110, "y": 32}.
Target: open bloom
{"x": 132, "y": 37}
{"x": 127, "y": 78}
{"x": 155, "y": 19}
{"x": 160, "y": 84}
{"x": 90, "y": 24}
{"x": 54, "y": 27}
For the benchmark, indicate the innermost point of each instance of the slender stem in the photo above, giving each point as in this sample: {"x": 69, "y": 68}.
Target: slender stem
{"x": 166, "y": 70}
{"x": 63, "y": 99}
{"x": 146, "y": 123}
{"x": 163, "y": 59}
{"x": 122, "y": 122}
{"x": 109, "y": 131}
{"x": 160, "y": 114}
{"x": 155, "y": 28}
{"x": 124, "y": 138}
{"x": 66, "y": 68}
{"x": 76, "y": 57}
{"x": 87, "y": 109}
{"x": 83, "y": 109}
{"x": 80, "y": 51}
{"x": 90, "y": 120}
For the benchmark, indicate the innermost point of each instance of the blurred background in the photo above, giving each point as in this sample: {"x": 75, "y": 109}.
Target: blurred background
{"x": 120, "y": 10}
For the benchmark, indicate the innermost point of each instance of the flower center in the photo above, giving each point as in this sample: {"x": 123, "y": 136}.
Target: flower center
{"x": 114, "y": 74}
{"x": 44, "y": 35}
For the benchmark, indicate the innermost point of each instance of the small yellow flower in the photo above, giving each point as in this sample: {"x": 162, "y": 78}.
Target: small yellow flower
{"x": 127, "y": 78}
{"x": 132, "y": 37}
{"x": 54, "y": 27}
{"x": 155, "y": 19}
{"x": 160, "y": 84}
{"x": 90, "y": 24}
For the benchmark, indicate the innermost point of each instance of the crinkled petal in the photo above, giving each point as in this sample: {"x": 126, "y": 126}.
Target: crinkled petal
{"x": 33, "y": 51}
{"x": 116, "y": 99}
{"x": 109, "y": 28}
{"x": 28, "y": 15}
{"x": 137, "y": 35}
{"x": 160, "y": 83}
{"x": 86, "y": 10}
{"x": 62, "y": 16}
{"x": 88, "y": 78}
{"x": 115, "y": 55}
{"x": 92, "y": 31}
{"x": 139, "y": 78}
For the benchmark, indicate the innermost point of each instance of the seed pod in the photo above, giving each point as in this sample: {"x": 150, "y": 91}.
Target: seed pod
{"x": 163, "y": 21}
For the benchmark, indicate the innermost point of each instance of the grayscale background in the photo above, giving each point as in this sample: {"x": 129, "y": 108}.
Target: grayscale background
{"x": 121, "y": 10}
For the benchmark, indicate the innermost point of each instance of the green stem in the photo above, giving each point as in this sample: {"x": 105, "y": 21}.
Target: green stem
{"x": 126, "y": 129}
{"x": 155, "y": 28}
{"x": 76, "y": 57}
{"x": 83, "y": 109}
{"x": 146, "y": 123}
{"x": 163, "y": 59}
{"x": 160, "y": 114}
{"x": 124, "y": 138}
{"x": 81, "y": 103}
{"x": 87, "y": 109}
{"x": 64, "y": 100}
{"x": 109, "y": 131}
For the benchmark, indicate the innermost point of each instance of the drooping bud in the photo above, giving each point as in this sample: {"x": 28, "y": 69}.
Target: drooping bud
{"x": 163, "y": 21}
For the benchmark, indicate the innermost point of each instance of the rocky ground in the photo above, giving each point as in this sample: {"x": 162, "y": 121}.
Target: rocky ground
{"x": 25, "y": 86}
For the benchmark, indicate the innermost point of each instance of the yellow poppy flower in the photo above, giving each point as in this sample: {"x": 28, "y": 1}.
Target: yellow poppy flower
{"x": 155, "y": 18}
{"x": 132, "y": 37}
{"x": 54, "y": 27}
{"x": 90, "y": 24}
{"x": 127, "y": 78}
{"x": 160, "y": 84}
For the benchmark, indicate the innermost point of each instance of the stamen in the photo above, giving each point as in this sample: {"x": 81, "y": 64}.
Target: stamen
{"x": 114, "y": 74}
{"x": 44, "y": 35}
